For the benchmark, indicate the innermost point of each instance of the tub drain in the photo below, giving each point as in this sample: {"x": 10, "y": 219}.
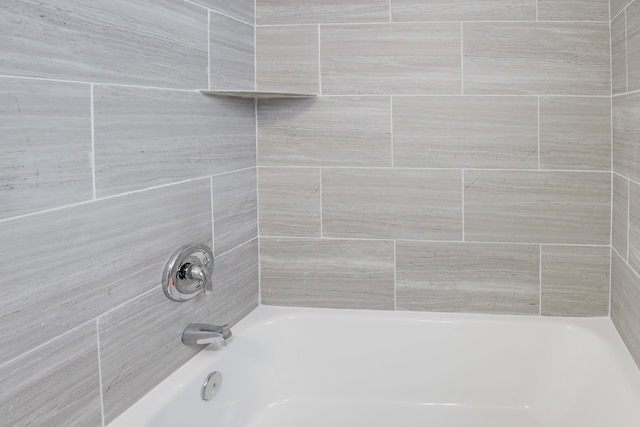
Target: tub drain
{"x": 211, "y": 385}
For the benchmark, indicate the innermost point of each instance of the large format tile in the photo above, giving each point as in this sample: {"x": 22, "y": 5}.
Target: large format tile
{"x": 467, "y": 277}
{"x": 392, "y": 203}
{"x": 327, "y": 131}
{"x": 633, "y": 45}
{"x": 575, "y": 133}
{"x": 231, "y": 54}
{"x": 270, "y": 12}
{"x": 243, "y": 10}
{"x": 573, "y": 10}
{"x": 476, "y": 132}
{"x": 55, "y": 385}
{"x": 618, "y": 55}
{"x": 45, "y": 129}
{"x": 147, "y": 42}
{"x": 149, "y": 137}
{"x": 626, "y": 134}
{"x": 287, "y": 58}
{"x": 537, "y": 207}
{"x": 391, "y": 59}
{"x": 541, "y": 58}
{"x": 93, "y": 256}
{"x": 327, "y": 273}
{"x": 620, "y": 214}
{"x": 634, "y": 225}
{"x": 289, "y": 201}
{"x": 462, "y": 10}
{"x": 575, "y": 280}
{"x": 235, "y": 209}
{"x": 625, "y": 304}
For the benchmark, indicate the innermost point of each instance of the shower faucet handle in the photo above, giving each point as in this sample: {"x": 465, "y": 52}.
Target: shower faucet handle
{"x": 188, "y": 273}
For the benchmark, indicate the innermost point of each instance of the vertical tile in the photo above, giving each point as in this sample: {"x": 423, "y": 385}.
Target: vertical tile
{"x": 148, "y": 42}
{"x": 633, "y": 45}
{"x": 289, "y": 201}
{"x": 327, "y": 131}
{"x": 537, "y": 207}
{"x": 272, "y": 12}
{"x": 45, "y": 128}
{"x": 515, "y": 58}
{"x": 95, "y": 256}
{"x": 327, "y": 273}
{"x": 235, "y": 209}
{"x": 626, "y": 131}
{"x": 287, "y": 58}
{"x": 625, "y": 304}
{"x": 467, "y": 277}
{"x": 619, "y": 55}
{"x": 243, "y": 10}
{"x": 150, "y": 137}
{"x": 620, "y": 215}
{"x": 475, "y": 132}
{"x": 392, "y": 204}
{"x": 54, "y": 385}
{"x": 575, "y": 133}
{"x": 573, "y": 10}
{"x": 391, "y": 59}
{"x": 462, "y": 10}
{"x": 231, "y": 54}
{"x": 634, "y": 225}
{"x": 575, "y": 281}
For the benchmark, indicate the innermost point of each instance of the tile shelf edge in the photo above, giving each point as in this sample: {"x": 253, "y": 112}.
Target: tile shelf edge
{"x": 257, "y": 94}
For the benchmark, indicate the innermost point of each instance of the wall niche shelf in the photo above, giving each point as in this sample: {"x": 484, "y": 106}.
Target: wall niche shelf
{"x": 257, "y": 94}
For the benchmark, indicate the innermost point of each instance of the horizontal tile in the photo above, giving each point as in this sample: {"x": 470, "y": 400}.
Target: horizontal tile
{"x": 516, "y": 58}
{"x": 327, "y": 131}
{"x": 475, "y": 132}
{"x": 287, "y": 59}
{"x": 626, "y": 131}
{"x": 289, "y": 201}
{"x": 270, "y": 12}
{"x": 391, "y": 59}
{"x": 632, "y": 16}
{"x": 327, "y": 273}
{"x": 231, "y": 54}
{"x": 239, "y": 9}
{"x": 46, "y": 145}
{"x": 634, "y": 226}
{"x": 467, "y": 277}
{"x": 537, "y": 207}
{"x": 575, "y": 133}
{"x": 618, "y": 55}
{"x": 85, "y": 252}
{"x": 575, "y": 281}
{"x": 625, "y": 304}
{"x": 55, "y": 385}
{"x": 147, "y": 42}
{"x": 573, "y": 10}
{"x": 150, "y": 137}
{"x": 620, "y": 214}
{"x": 462, "y": 10}
{"x": 235, "y": 209}
{"x": 392, "y": 203}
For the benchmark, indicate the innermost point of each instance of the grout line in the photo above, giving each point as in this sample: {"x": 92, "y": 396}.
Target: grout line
{"x": 610, "y": 279}
{"x": 321, "y": 207}
{"x": 462, "y": 184}
{"x": 208, "y": 49}
{"x": 462, "y": 58}
{"x": 628, "y": 265}
{"x": 213, "y": 222}
{"x": 628, "y": 218}
{"x": 93, "y": 143}
{"x": 258, "y": 208}
{"x": 579, "y": 171}
{"x": 100, "y": 371}
{"x": 228, "y": 251}
{"x": 392, "y": 136}
{"x": 540, "y": 281}
{"x": 627, "y": 178}
{"x": 255, "y": 58}
{"x": 626, "y": 53}
{"x": 459, "y": 95}
{"x": 467, "y": 21}
{"x": 217, "y": 12}
{"x": 538, "y": 132}
{"x": 395, "y": 282}
{"x": 319, "y": 63}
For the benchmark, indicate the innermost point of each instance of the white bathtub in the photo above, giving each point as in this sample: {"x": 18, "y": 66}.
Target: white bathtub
{"x": 292, "y": 367}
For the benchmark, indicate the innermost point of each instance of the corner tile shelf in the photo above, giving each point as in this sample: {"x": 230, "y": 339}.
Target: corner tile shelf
{"x": 257, "y": 94}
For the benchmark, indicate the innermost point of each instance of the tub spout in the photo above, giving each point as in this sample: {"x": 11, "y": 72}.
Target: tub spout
{"x": 202, "y": 334}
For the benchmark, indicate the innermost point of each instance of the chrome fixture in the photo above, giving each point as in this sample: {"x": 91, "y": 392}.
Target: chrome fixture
{"x": 211, "y": 385}
{"x": 188, "y": 273}
{"x": 202, "y": 333}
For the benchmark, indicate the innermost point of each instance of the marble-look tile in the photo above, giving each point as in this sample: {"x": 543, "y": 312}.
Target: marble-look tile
{"x": 616, "y": 6}
{"x": 573, "y": 10}
{"x": 620, "y": 215}
{"x": 467, "y": 277}
{"x": 536, "y": 58}
{"x": 575, "y": 133}
{"x": 633, "y": 46}
{"x": 45, "y": 129}
{"x": 474, "y": 132}
{"x": 625, "y": 304}
{"x": 147, "y": 42}
{"x": 392, "y": 204}
{"x": 463, "y": 10}
{"x": 327, "y": 131}
{"x": 243, "y": 10}
{"x": 231, "y": 54}
{"x": 287, "y": 58}
{"x": 272, "y": 12}
{"x": 575, "y": 280}
{"x": 94, "y": 256}
{"x": 391, "y": 59}
{"x": 537, "y": 207}
{"x": 235, "y": 209}
{"x": 327, "y": 273}
{"x": 150, "y": 137}
{"x": 634, "y": 225}
{"x": 289, "y": 202}
{"x": 618, "y": 55}
{"x": 626, "y": 134}
{"x": 54, "y": 385}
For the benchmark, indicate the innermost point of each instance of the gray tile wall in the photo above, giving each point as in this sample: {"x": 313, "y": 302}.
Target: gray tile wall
{"x": 458, "y": 157}
{"x": 111, "y": 160}
{"x": 625, "y": 265}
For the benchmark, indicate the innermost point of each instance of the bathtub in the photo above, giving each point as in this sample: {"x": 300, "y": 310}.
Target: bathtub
{"x": 295, "y": 367}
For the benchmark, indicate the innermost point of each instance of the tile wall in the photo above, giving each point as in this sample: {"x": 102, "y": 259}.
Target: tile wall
{"x": 457, "y": 159}
{"x": 110, "y": 161}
